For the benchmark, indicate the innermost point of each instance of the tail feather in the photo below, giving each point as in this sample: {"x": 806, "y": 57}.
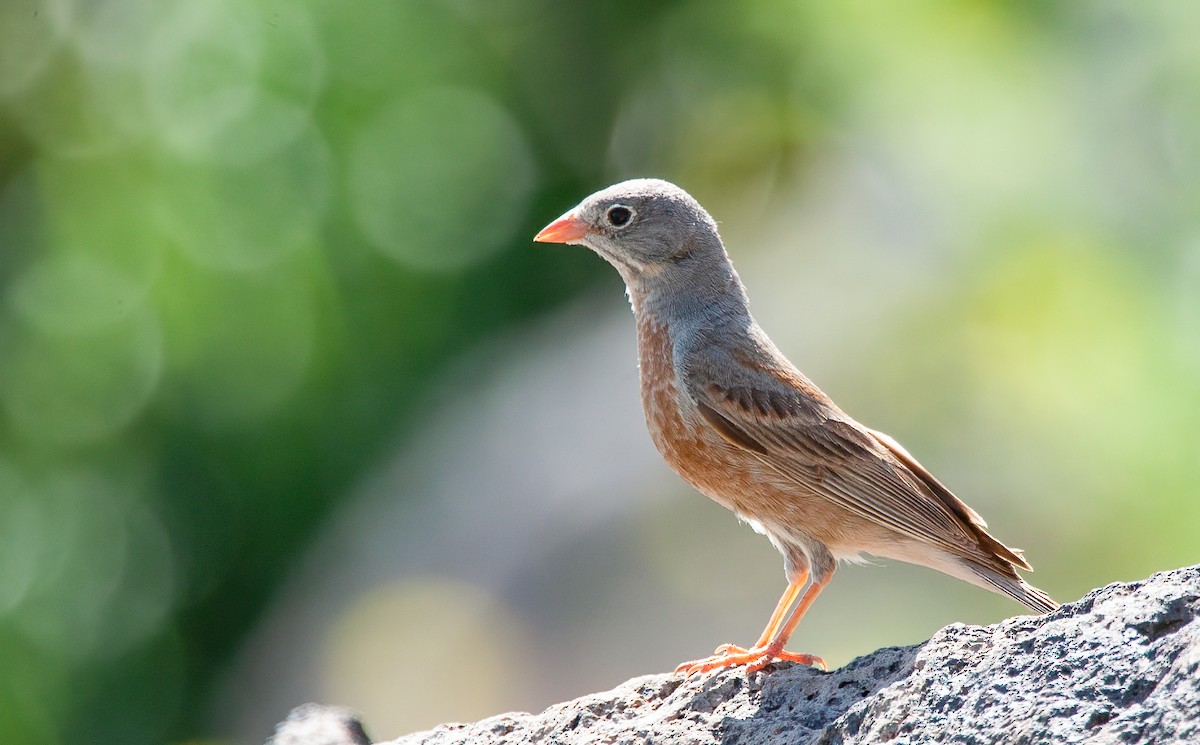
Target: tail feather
{"x": 968, "y": 517}
{"x": 1014, "y": 587}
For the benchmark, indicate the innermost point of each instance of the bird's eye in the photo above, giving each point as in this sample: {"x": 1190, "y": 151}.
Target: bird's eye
{"x": 619, "y": 215}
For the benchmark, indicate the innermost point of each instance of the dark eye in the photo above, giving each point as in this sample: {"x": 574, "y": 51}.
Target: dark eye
{"x": 619, "y": 215}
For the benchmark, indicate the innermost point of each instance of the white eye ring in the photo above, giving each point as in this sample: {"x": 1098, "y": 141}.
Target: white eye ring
{"x": 619, "y": 215}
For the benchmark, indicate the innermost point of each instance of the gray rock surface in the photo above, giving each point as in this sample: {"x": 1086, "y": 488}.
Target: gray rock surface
{"x": 314, "y": 724}
{"x": 1122, "y": 665}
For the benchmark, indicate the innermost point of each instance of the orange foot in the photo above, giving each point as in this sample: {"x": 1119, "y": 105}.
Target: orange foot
{"x": 755, "y": 659}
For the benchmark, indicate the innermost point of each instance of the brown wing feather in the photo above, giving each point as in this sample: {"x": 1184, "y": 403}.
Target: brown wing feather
{"x": 953, "y": 503}
{"x": 806, "y": 438}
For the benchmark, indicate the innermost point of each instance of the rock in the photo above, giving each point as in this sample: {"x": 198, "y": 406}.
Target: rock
{"x": 314, "y": 724}
{"x": 1121, "y": 665}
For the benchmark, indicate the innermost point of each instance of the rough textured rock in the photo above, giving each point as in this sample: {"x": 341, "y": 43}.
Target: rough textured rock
{"x": 1122, "y": 665}
{"x": 314, "y": 724}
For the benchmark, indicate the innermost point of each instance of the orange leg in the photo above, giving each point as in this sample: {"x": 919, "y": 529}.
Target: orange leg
{"x": 785, "y": 602}
{"x": 781, "y": 609}
{"x": 774, "y": 650}
{"x": 763, "y": 653}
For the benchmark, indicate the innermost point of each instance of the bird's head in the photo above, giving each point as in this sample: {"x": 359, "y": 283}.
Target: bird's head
{"x": 643, "y": 227}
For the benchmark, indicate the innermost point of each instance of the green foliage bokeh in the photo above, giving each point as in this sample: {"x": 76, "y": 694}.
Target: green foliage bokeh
{"x": 239, "y": 239}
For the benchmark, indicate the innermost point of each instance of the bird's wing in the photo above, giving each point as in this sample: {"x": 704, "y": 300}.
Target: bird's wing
{"x": 797, "y": 431}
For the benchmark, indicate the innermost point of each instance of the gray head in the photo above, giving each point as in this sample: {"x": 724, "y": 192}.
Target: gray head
{"x": 655, "y": 234}
{"x": 642, "y": 225}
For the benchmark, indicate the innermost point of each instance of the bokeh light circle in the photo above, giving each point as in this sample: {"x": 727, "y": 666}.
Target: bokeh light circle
{"x": 239, "y": 347}
{"x": 79, "y": 387}
{"x": 440, "y": 179}
{"x": 411, "y": 641}
{"x": 247, "y": 217}
{"x": 231, "y": 83}
{"x": 20, "y": 542}
{"x": 74, "y": 293}
{"x": 104, "y": 574}
{"x": 200, "y": 79}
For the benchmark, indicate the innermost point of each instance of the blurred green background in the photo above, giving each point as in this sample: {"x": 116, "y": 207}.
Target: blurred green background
{"x": 252, "y": 251}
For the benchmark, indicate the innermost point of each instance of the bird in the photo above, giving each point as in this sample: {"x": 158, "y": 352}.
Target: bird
{"x": 743, "y": 426}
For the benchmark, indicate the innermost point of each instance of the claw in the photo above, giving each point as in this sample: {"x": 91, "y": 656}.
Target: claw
{"x": 804, "y": 659}
{"x": 754, "y": 659}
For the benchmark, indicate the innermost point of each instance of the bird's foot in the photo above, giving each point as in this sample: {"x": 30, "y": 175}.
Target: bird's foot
{"x": 754, "y": 659}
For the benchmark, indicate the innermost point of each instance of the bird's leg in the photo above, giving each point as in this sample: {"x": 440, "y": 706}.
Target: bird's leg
{"x": 781, "y": 609}
{"x": 785, "y": 602}
{"x": 765, "y": 652}
{"x": 774, "y": 650}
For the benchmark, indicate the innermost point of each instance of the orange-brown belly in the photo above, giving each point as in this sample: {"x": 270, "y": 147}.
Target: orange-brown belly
{"x": 690, "y": 447}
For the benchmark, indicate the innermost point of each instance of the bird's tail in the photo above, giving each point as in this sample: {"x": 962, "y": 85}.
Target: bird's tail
{"x": 1014, "y": 586}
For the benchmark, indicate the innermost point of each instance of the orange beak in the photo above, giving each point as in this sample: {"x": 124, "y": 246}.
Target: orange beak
{"x": 565, "y": 229}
